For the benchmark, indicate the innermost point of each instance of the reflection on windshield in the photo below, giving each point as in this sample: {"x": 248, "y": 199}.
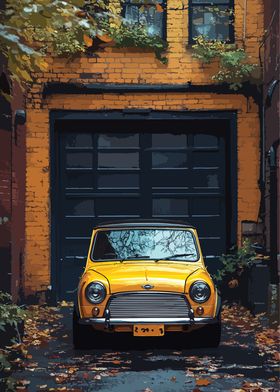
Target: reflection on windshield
{"x": 144, "y": 244}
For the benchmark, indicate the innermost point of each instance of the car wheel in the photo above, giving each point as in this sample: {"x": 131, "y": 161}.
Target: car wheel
{"x": 212, "y": 334}
{"x": 208, "y": 336}
{"x": 83, "y": 335}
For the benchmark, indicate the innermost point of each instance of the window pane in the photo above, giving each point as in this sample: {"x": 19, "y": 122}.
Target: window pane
{"x": 78, "y": 160}
{"x": 202, "y": 179}
{"x": 78, "y": 140}
{"x": 170, "y": 179}
{"x": 169, "y": 159}
{"x": 110, "y": 207}
{"x": 148, "y": 15}
{"x": 114, "y": 160}
{"x": 118, "y": 180}
{"x": 205, "y": 140}
{"x": 118, "y": 140}
{"x": 205, "y": 206}
{"x": 211, "y": 23}
{"x": 83, "y": 207}
{"x": 78, "y": 179}
{"x": 169, "y": 140}
{"x": 169, "y": 207}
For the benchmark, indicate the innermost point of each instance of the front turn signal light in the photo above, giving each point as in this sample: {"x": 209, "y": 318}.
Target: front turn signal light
{"x": 95, "y": 311}
{"x": 200, "y": 310}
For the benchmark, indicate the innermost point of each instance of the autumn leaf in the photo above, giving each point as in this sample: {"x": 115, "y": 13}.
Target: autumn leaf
{"x": 202, "y": 382}
{"x": 159, "y": 8}
{"x": 233, "y": 283}
{"x": 87, "y": 40}
{"x": 276, "y": 356}
{"x": 104, "y": 38}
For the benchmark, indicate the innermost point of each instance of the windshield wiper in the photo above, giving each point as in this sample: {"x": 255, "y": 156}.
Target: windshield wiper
{"x": 173, "y": 256}
{"x": 134, "y": 258}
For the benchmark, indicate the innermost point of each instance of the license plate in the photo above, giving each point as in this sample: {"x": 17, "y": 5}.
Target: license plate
{"x": 148, "y": 330}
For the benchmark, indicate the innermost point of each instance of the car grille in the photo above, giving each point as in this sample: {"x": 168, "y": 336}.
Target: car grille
{"x": 136, "y": 305}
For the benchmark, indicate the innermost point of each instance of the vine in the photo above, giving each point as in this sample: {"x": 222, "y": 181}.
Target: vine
{"x": 127, "y": 35}
{"x": 234, "y": 65}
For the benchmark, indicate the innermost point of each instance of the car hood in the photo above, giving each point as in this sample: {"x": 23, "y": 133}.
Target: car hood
{"x": 132, "y": 275}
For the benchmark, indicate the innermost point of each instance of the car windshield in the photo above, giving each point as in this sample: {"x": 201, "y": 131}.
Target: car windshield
{"x": 145, "y": 244}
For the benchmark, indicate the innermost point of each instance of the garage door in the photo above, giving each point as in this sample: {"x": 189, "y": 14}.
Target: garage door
{"x": 117, "y": 170}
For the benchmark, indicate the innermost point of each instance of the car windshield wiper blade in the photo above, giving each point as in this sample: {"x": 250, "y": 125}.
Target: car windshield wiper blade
{"x": 173, "y": 256}
{"x": 134, "y": 258}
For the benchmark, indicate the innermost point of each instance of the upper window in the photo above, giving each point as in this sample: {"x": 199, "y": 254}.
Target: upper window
{"x": 211, "y": 18}
{"x": 151, "y": 14}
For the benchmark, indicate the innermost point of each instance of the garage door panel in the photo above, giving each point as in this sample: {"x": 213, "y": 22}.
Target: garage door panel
{"x": 168, "y": 179}
{"x": 79, "y": 159}
{"x": 206, "y": 206}
{"x": 169, "y": 159}
{"x": 206, "y": 139}
{"x": 206, "y": 179}
{"x": 169, "y": 140}
{"x": 76, "y": 226}
{"x": 118, "y": 160}
{"x": 83, "y": 207}
{"x": 168, "y": 207}
{"x": 210, "y": 224}
{"x": 119, "y": 180}
{"x": 118, "y": 140}
{"x": 117, "y": 207}
{"x": 75, "y": 247}
{"x": 78, "y": 139}
{"x": 78, "y": 179}
{"x": 213, "y": 243}
{"x": 206, "y": 159}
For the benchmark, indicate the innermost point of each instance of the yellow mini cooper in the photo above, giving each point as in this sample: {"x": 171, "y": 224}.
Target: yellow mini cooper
{"x": 147, "y": 279}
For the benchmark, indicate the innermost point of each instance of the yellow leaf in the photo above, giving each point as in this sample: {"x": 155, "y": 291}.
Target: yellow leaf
{"x": 87, "y": 40}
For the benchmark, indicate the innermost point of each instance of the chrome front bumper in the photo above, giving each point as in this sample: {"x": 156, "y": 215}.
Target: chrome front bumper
{"x": 131, "y": 321}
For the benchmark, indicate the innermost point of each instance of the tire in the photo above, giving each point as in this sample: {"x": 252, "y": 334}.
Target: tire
{"x": 212, "y": 335}
{"x": 83, "y": 335}
{"x": 208, "y": 336}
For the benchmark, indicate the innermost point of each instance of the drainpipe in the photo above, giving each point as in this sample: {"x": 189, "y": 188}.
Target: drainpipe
{"x": 274, "y": 213}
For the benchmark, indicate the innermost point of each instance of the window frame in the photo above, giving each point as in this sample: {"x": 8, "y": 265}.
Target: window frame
{"x": 194, "y": 3}
{"x": 140, "y": 4}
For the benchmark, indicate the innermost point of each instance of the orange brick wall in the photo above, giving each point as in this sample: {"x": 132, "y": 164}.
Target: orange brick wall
{"x": 136, "y": 66}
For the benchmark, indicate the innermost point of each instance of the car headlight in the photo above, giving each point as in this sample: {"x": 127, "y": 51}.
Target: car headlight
{"x": 200, "y": 291}
{"x": 95, "y": 292}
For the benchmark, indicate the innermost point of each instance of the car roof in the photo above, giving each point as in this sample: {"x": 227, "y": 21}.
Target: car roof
{"x": 145, "y": 223}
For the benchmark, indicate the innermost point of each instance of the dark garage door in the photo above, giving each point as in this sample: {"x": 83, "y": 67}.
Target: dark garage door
{"x": 118, "y": 170}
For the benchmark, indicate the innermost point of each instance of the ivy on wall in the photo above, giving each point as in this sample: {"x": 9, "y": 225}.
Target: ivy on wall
{"x": 127, "y": 35}
{"x": 234, "y": 65}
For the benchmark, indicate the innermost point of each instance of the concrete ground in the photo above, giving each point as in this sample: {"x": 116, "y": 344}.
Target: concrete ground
{"x": 247, "y": 359}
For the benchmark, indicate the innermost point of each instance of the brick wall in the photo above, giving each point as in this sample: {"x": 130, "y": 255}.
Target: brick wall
{"x": 136, "y": 66}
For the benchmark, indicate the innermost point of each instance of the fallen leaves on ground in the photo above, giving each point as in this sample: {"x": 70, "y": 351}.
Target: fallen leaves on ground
{"x": 202, "y": 382}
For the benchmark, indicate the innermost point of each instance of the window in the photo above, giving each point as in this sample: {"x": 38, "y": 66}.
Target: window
{"x": 150, "y": 14}
{"x": 211, "y": 18}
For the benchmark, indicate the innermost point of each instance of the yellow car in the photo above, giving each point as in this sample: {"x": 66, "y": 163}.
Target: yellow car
{"x": 146, "y": 278}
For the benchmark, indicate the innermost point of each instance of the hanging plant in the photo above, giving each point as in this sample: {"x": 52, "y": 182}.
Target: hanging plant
{"x": 234, "y": 65}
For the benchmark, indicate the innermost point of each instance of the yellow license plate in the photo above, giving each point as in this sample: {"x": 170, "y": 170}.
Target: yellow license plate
{"x": 148, "y": 330}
